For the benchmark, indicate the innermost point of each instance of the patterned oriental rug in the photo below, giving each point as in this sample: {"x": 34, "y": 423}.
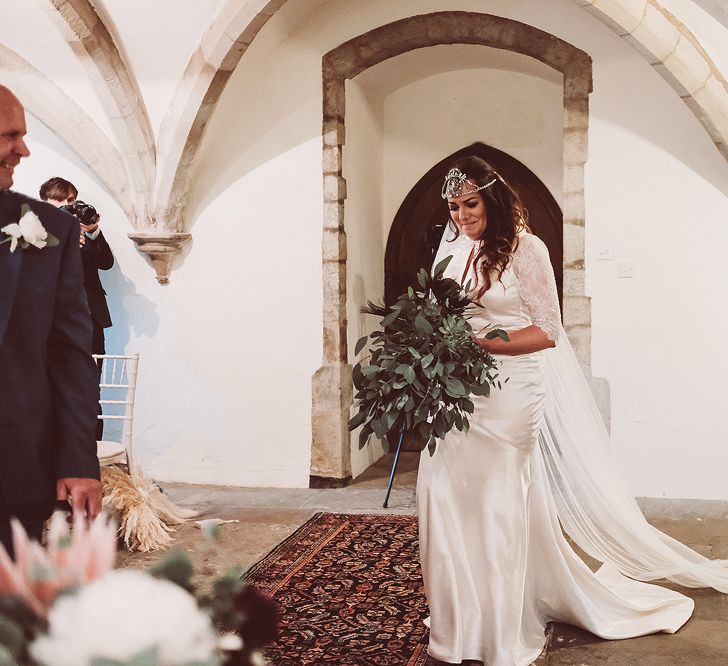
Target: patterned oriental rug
{"x": 350, "y": 592}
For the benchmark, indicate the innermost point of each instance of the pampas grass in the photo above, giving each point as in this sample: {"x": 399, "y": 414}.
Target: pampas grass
{"x": 145, "y": 515}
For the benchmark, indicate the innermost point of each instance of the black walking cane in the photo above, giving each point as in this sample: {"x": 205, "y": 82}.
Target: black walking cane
{"x": 394, "y": 468}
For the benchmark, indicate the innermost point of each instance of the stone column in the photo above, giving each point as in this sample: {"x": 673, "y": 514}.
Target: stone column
{"x": 577, "y": 305}
{"x": 332, "y": 387}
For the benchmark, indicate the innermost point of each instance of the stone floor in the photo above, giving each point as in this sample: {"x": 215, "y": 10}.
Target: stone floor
{"x": 266, "y": 516}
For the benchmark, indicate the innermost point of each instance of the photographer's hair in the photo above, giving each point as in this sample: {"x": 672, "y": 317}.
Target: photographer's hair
{"x": 58, "y": 189}
{"x": 506, "y": 218}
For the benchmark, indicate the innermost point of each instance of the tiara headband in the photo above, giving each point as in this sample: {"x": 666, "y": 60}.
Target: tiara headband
{"x": 456, "y": 182}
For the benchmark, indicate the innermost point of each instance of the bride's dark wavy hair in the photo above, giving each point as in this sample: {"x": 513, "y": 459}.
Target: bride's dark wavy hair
{"x": 506, "y": 218}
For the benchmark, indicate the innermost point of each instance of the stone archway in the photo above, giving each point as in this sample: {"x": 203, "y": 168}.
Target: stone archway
{"x": 332, "y": 392}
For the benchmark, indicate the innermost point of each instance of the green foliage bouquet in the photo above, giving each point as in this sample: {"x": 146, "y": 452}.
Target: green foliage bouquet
{"x": 423, "y": 365}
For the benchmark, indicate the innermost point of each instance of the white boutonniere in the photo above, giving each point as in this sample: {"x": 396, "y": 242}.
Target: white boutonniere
{"x": 28, "y": 231}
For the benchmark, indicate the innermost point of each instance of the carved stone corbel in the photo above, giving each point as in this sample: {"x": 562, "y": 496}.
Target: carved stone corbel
{"x": 161, "y": 247}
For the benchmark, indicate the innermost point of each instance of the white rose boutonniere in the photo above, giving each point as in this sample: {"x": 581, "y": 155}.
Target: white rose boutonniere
{"x": 28, "y": 231}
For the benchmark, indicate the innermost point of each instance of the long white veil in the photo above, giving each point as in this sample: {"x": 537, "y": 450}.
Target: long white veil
{"x": 593, "y": 503}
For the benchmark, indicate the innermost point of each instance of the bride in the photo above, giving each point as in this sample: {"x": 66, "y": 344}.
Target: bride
{"x": 492, "y": 503}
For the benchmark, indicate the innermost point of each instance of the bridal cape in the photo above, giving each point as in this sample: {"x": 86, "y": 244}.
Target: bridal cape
{"x": 493, "y": 503}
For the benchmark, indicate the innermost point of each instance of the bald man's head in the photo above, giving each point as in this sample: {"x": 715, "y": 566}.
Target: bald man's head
{"x": 12, "y": 133}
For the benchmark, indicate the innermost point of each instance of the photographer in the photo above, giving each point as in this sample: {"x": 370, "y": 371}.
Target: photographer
{"x": 95, "y": 252}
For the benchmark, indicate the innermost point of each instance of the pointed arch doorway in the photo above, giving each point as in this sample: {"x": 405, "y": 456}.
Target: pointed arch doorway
{"x": 420, "y": 221}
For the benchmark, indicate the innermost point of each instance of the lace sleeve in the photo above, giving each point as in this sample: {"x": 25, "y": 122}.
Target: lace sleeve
{"x": 537, "y": 284}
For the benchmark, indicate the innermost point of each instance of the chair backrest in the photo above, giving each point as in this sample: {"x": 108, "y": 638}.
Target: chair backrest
{"x": 117, "y": 386}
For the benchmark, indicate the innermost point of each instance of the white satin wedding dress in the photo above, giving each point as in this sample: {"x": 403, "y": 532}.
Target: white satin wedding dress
{"x": 491, "y": 503}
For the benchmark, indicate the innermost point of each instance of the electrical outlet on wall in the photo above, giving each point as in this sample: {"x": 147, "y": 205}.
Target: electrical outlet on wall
{"x": 626, "y": 269}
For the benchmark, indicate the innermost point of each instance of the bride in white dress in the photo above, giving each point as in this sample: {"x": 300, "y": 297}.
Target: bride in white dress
{"x": 492, "y": 503}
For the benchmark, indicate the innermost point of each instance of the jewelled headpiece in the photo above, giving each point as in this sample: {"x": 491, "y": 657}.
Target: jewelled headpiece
{"x": 456, "y": 185}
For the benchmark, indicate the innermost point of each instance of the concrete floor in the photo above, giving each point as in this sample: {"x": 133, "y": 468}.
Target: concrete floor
{"x": 267, "y": 516}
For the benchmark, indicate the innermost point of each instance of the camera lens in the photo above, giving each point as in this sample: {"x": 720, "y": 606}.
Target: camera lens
{"x": 83, "y": 212}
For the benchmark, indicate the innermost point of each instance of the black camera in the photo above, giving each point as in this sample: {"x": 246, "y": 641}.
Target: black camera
{"x": 83, "y": 212}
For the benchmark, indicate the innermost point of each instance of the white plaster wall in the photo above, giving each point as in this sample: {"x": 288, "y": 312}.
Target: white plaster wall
{"x": 229, "y": 347}
{"x": 657, "y": 195}
{"x": 363, "y": 224}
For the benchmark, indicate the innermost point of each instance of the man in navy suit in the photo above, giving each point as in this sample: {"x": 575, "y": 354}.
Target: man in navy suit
{"x": 48, "y": 380}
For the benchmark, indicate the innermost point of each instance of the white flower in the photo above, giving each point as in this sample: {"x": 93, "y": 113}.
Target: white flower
{"x": 29, "y": 229}
{"x": 121, "y": 615}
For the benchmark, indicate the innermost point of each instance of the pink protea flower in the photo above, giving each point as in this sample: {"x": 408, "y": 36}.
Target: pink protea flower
{"x": 38, "y": 575}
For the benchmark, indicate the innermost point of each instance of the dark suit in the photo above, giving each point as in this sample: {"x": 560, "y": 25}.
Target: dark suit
{"x": 96, "y": 255}
{"x": 48, "y": 380}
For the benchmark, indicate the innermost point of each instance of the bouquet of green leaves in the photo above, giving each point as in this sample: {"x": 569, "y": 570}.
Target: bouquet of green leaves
{"x": 423, "y": 364}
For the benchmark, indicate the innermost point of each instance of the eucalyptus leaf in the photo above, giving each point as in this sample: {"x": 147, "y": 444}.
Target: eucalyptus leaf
{"x": 455, "y": 387}
{"x": 361, "y": 343}
{"x": 391, "y": 316}
{"x": 357, "y": 420}
{"x": 422, "y": 325}
{"x": 497, "y": 333}
{"x": 438, "y": 271}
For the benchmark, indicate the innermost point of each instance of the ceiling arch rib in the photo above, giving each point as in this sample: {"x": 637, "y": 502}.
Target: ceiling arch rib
{"x": 675, "y": 53}
{"x": 85, "y": 32}
{"x": 208, "y": 70}
{"x": 54, "y": 108}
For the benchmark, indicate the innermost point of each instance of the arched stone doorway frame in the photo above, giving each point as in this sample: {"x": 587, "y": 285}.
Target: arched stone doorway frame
{"x": 332, "y": 390}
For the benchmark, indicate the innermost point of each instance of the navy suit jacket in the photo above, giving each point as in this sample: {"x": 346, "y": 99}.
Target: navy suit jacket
{"x": 48, "y": 380}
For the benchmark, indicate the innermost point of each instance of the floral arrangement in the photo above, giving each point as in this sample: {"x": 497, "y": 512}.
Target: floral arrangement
{"x": 423, "y": 364}
{"x": 27, "y": 232}
{"x": 65, "y": 605}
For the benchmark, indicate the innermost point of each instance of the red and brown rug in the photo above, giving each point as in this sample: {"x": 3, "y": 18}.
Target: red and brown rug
{"x": 350, "y": 592}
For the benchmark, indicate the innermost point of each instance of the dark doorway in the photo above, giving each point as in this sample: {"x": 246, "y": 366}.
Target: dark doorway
{"x": 421, "y": 219}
